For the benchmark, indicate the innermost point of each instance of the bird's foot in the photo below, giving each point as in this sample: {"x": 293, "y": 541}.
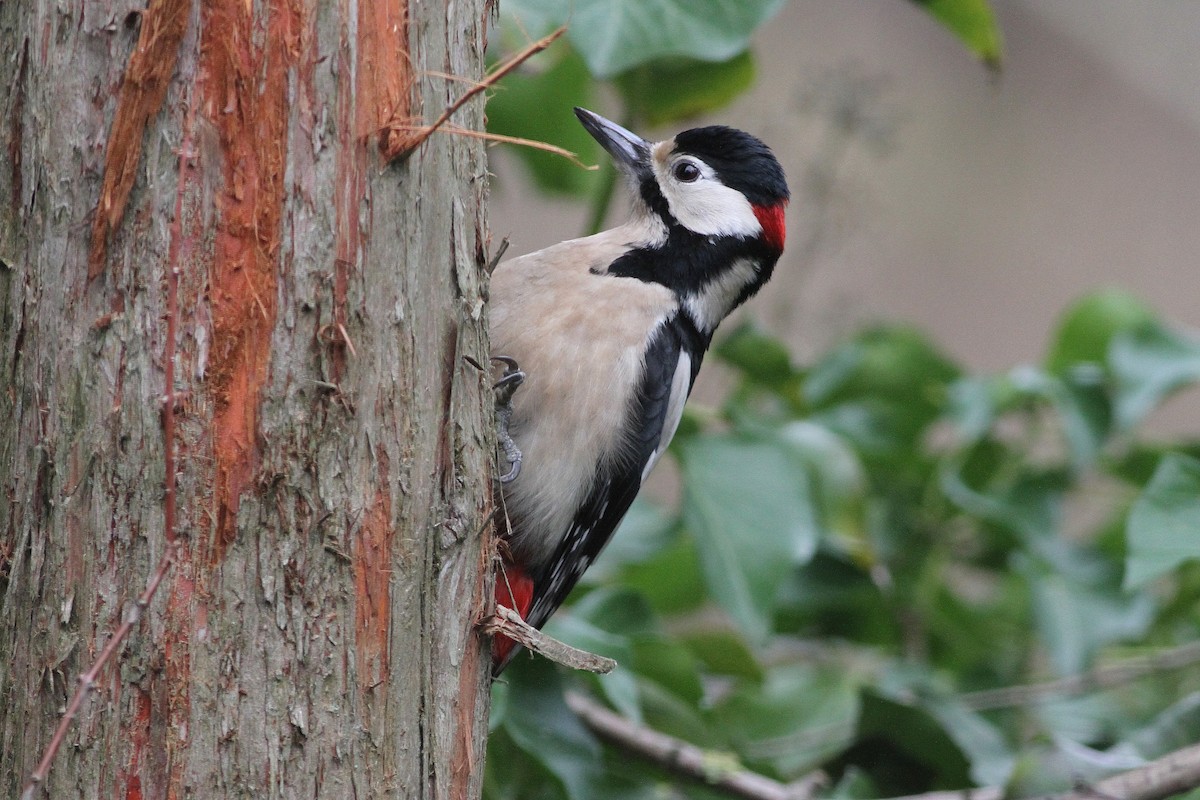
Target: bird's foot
{"x": 505, "y": 388}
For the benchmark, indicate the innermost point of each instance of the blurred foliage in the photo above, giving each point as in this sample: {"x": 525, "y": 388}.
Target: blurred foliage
{"x": 868, "y": 545}
{"x": 883, "y": 569}
{"x": 665, "y": 61}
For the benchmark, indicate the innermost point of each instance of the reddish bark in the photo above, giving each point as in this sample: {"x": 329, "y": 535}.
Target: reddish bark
{"x": 244, "y": 96}
{"x": 143, "y": 89}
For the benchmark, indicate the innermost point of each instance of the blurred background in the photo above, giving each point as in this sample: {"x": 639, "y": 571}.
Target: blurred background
{"x": 932, "y": 519}
{"x": 926, "y": 188}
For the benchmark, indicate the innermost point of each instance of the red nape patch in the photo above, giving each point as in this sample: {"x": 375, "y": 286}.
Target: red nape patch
{"x": 773, "y": 225}
{"x": 514, "y": 589}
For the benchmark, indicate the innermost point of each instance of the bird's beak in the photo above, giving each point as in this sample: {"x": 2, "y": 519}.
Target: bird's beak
{"x": 629, "y": 151}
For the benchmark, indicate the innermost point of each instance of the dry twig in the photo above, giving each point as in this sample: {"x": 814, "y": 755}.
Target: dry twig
{"x": 509, "y": 623}
{"x": 685, "y": 758}
{"x": 1102, "y": 677}
{"x": 173, "y": 548}
{"x": 1172, "y": 774}
{"x": 421, "y": 133}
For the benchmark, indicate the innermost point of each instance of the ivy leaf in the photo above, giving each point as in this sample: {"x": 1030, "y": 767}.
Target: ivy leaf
{"x": 974, "y": 23}
{"x": 892, "y": 374}
{"x": 1076, "y": 616}
{"x": 749, "y": 505}
{"x": 537, "y": 105}
{"x": 678, "y": 88}
{"x": 540, "y": 723}
{"x": 798, "y": 717}
{"x": 614, "y": 36}
{"x": 1164, "y": 524}
{"x": 1173, "y": 729}
{"x": 1089, "y": 325}
{"x": 1150, "y": 363}
{"x": 760, "y": 357}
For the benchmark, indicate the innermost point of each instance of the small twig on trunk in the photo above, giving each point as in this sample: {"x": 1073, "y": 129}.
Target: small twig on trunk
{"x": 687, "y": 759}
{"x": 87, "y": 681}
{"x": 509, "y": 623}
{"x": 517, "y": 140}
{"x": 406, "y": 145}
{"x": 173, "y": 545}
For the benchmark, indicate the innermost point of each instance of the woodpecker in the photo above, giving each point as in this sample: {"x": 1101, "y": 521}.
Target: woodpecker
{"x": 610, "y": 331}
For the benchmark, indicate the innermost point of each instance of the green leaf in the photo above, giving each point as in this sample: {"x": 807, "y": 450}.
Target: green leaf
{"x": 973, "y": 22}
{"x": 838, "y": 479}
{"x": 976, "y": 405}
{"x": 1029, "y": 507}
{"x": 672, "y": 582}
{"x": 893, "y": 373}
{"x": 1173, "y": 729}
{"x": 760, "y": 357}
{"x": 1089, "y": 325}
{"x": 1149, "y": 364}
{"x": 723, "y": 652}
{"x": 537, "y": 105}
{"x": 670, "y": 665}
{"x": 616, "y": 35}
{"x": 799, "y": 717}
{"x": 647, "y": 530}
{"x": 540, "y": 723}
{"x": 1164, "y": 524}
{"x": 749, "y": 506}
{"x": 911, "y": 750}
{"x": 917, "y": 693}
{"x": 1076, "y": 617}
{"x": 578, "y": 630}
{"x": 675, "y": 89}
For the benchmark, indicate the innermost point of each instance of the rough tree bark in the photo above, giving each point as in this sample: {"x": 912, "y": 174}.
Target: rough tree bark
{"x": 331, "y": 440}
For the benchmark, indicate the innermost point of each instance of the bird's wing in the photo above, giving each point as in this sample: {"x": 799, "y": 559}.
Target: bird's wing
{"x": 671, "y": 368}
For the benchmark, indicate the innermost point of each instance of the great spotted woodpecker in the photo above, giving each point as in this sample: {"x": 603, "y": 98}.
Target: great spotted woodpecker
{"x": 610, "y": 331}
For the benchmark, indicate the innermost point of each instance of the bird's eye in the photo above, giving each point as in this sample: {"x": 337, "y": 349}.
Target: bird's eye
{"x": 686, "y": 171}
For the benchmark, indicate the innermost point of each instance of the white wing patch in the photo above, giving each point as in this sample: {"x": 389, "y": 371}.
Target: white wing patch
{"x": 681, "y": 383}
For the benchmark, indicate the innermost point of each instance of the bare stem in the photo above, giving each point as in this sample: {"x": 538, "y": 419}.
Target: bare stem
{"x": 1170, "y": 775}
{"x": 509, "y": 623}
{"x": 489, "y": 80}
{"x": 171, "y": 552}
{"x": 1102, "y": 677}
{"x": 687, "y": 759}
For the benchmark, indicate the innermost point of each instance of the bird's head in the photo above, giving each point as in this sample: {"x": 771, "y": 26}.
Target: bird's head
{"x": 714, "y": 181}
{"x": 717, "y": 195}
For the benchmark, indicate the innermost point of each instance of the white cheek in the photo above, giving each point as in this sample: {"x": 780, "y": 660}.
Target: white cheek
{"x": 715, "y": 299}
{"x": 711, "y": 209}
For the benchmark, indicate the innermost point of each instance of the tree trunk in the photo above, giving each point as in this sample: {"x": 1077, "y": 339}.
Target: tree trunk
{"x": 228, "y": 319}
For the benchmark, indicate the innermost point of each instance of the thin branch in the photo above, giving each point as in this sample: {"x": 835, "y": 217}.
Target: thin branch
{"x": 173, "y": 546}
{"x": 410, "y": 144}
{"x": 87, "y": 681}
{"x": 517, "y": 140}
{"x": 1102, "y": 677}
{"x": 1170, "y": 775}
{"x": 687, "y": 759}
{"x": 509, "y": 623}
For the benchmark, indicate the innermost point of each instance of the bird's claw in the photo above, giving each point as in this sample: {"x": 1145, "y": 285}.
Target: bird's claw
{"x": 505, "y": 388}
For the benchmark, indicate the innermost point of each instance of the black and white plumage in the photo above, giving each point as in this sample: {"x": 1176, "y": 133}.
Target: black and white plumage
{"x": 610, "y": 331}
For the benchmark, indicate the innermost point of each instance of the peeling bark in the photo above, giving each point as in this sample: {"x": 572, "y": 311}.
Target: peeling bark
{"x": 316, "y": 637}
